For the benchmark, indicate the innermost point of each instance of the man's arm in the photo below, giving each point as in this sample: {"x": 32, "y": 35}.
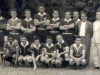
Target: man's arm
{"x": 37, "y": 23}
{"x": 66, "y": 50}
{"x": 69, "y": 26}
{"x": 55, "y": 25}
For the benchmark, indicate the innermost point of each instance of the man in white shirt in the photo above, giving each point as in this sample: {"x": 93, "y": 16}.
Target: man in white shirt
{"x": 85, "y": 30}
{"x": 96, "y": 41}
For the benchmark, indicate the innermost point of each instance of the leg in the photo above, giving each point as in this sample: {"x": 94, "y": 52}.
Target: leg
{"x": 20, "y": 59}
{"x": 83, "y": 62}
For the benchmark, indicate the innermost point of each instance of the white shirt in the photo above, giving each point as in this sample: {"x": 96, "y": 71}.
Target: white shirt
{"x": 96, "y": 24}
{"x": 82, "y": 29}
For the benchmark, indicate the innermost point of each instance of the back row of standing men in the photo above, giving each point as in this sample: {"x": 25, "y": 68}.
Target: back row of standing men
{"x": 42, "y": 26}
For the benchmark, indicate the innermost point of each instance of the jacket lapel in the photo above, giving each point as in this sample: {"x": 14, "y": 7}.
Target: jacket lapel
{"x": 86, "y": 27}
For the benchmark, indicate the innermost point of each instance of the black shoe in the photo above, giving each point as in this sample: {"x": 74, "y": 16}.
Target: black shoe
{"x": 75, "y": 68}
{"x": 96, "y": 67}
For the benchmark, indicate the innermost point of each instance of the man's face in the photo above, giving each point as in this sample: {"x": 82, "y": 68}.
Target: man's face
{"x": 28, "y": 14}
{"x": 83, "y": 17}
{"x": 59, "y": 38}
{"x": 23, "y": 39}
{"x": 10, "y": 39}
{"x": 13, "y": 14}
{"x": 98, "y": 15}
{"x": 41, "y": 9}
{"x": 49, "y": 41}
{"x": 37, "y": 42}
{"x": 67, "y": 15}
{"x": 75, "y": 15}
{"x": 78, "y": 41}
{"x": 55, "y": 14}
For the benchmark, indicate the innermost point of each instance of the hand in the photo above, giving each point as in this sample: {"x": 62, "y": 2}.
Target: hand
{"x": 48, "y": 60}
{"x": 58, "y": 55}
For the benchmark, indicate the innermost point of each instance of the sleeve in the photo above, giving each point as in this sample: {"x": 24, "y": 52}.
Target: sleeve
{"x": 71, "y": 48}
{"x": 36, "y": 16}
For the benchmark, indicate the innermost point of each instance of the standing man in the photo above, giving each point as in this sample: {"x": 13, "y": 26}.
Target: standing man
{"x": 54, "y": 25}
{"x": 27, "y": 26}
{"x": 76, "y": 20}
{"x": 14, "y": 24}
{"x": 67, "y": 28}
{"x": 41, "y": 21}
{"x": 96, "y": 41}
{"x": 85, "y": 30}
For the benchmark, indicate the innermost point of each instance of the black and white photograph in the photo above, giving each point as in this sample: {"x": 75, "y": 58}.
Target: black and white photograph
{"x": 49, "y": 37}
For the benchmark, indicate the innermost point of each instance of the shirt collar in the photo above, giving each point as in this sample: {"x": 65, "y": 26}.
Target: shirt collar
{"x": 50, "y": 45}
{"x": 67, "y": 20}
{"x": 14, "y": 19}
{"x": 10, "y": 44}
{"x": 27, "y": 43}
{"x": 77, "y": 20}
{"x": 1, "y": 18}
{"x": 76, "y": 46}
{"x": 55, "y": 19}
{"x": 28, "y": 19}
{"x": 37, "y": 47}
{"x": 83, "y": 22}
{"x": 41, "y": 14}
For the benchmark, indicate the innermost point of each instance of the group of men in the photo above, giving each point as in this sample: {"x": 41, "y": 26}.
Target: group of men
{"x": 57, "y": 42}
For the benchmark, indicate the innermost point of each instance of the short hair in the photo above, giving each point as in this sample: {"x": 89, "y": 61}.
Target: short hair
{"x": 69, "y": 11}
{"x": 41, "y": 4}
{"x": 13, "y": 10}
{"x": 10, "y": 36}
{"x": 36, "y": 38}
{"x": 55, "y": 10}
{"x": 83, "y": 12}
{"x": 27, "y": 10}
{"x": 48, "y": 37}
{"x": 77, "y": 37}
{"x": 23, "y": 36}
{"x": 59, "y": 35}
{"x": 76, "y": 11}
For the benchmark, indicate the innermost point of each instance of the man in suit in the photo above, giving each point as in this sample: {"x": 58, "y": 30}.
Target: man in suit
{"x": 96, "y": 41}
{"x": 85, "y": 31}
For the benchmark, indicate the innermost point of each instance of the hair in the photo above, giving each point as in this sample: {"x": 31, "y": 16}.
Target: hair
{"x": 23, "y": 36}
{"x": 27, "y": 10}
{"x": 59, "y": 35}
{"x": 55, "y": 10}
{"x": 77, "y": 37}
{"x": 41, "y": 4}
{"x": 83, "y": 12}
{"x": 69, "y": 11}
{"x": 13, "y": 10}
{"x": 10, "y": 36}
{"x": 76, "y": 11}
{"x": 36, "y": 38}
{"x": 48, "y": 37}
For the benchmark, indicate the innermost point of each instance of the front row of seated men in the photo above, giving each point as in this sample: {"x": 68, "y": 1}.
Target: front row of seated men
{"x": 47, "y": 54}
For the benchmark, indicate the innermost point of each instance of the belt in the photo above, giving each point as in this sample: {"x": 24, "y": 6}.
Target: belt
{"x": 67, "y": 33}
{"x": 41, "y": 29}
{"x": 54, "y": 31}
{"x": 13, "y": 33}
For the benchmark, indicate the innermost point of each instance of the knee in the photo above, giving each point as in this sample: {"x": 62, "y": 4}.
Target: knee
{"x": 42, "y": 59}
{"x": 53, "y": 61}
{"x": 58, "y": 61}
{"x": 66, "y": 56}
{"x": 29, "y": 59}
{"x": 4, "y": 56}
{"x": 83, "y": 62}
{"x": 46, "y": 56}
{"x": 71, "y": 61}
{"x": 14, "y": 56}
{"x": 24, "y": 59}
{"x": 20, "y": 59}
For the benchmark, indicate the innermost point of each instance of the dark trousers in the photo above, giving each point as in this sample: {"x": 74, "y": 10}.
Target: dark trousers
{"x": 1, "y": 40}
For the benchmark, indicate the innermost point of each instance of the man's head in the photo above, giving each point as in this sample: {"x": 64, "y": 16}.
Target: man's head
{"x": 41, "y": 8}
{"x": 98, "y": 15}
{"x": 49, "y": 40}
{"x": 55, "y": 13}
{"x": 10, "y": 39}
{"x": 78, "y": 40}
{"x": 68, "y": 14}
{"x": 83, "y": 16}
{"x": 36, "y": 41}
{"x": 13, "y": 13}
{"x": 59, "y": 38}
{"x": 23, "y": 38}
{"x": 75, "y": 14}
{"x": 27, "y": 13}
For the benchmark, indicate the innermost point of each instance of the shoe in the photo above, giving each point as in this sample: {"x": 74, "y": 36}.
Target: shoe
{"x": 96, "y": 67}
